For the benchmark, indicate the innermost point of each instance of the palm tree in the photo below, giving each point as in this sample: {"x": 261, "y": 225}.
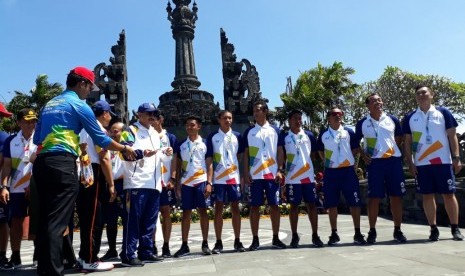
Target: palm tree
{"x": 36, "y": 99}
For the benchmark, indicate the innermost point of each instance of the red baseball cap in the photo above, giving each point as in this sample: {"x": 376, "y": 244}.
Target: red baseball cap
{"x": 4, "y": 112}
{"x": 87, "y": 74}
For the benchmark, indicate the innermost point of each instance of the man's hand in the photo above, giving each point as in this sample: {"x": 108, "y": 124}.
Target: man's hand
{"x": 149, "y": 153}
{"x": 280, "y": 178}
{"x": 366, "y": 158}
{"x": 4, "y": 196}
{"x": 413, "y": 170}
{"x": 248, "y": 179}
{"x": 130, "y": 154}
{"x": 168, "y": 151}
{"x": 457, "y": 165}
{"x": 112, "y": 191}
{"x": 208, "y": 190}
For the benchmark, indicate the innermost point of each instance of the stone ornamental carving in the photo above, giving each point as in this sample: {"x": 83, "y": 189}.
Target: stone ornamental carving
{"x": 241, "y": 83}
{"x": 112, "y": 80}
{"x": 186, "y": 98}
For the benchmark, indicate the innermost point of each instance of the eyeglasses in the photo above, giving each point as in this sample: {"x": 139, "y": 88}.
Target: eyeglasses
{"x": 336, "y": 113}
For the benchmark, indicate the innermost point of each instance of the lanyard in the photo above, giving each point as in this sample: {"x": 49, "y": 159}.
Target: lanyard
{"x": 227, "y": 144}
{"x": 297, "y": 143}
{"x": 427, "y": 123}
{"x": 191, "y": 151}
{"x": 374, "y": 129}
{"x": 336, "y": 139}
{"x": 263, "y": 138}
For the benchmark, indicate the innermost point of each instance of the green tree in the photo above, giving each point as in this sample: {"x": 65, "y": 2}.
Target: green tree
{"x": 318, "y": 89}
{"x": 37, "y": 97}
{"x": 397, "y": 88}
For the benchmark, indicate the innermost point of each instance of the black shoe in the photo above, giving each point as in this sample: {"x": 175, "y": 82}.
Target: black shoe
{"x": 132, "y": 263}
{"x": 334, "y": 239}
{"x": 110, "y": 255}
{"x": 12, "y": 264}
{"x": 165, "y": 252}
{"x": 239, "y": 247}
{"x": 3, "y": 262}
{"x": 316, "y": 241}
{"x": 255, "y": 245}
{"x": 295, "y": 241}
{"x": 399, "y": 236}
{"x": 218, "y": 248}
{"x": 434, "y": 234}
{"x": 278, "y": 244}
{"x": 359, "y": 239}
{"x": 151, "y": 259}
{"x": 183, "y": 251}
{"x": 205, "y": 249}
{"x": 371, "y": 237}
{"x": 456, "y": 235}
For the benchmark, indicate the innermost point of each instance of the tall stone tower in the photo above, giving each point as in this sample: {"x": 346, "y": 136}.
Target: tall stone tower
{"x": 186, "y": 98}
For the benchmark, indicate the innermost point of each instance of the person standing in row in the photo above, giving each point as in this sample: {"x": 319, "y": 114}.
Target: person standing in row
{"x": 165, "y": 174}
{"x": 224, "y": 150}
{"x": 112, "y": 210}
{"x": 260, "y": 172}
{"x": 430, "y": 136}
{"x": 382, "y": 134}
{"x": 296, "y": 149}
{"x": 16, "y": 174}
{"x": 91, "y": 195}
{"x": 337, "y": 147}
{"x": 195, "y": 190}
{"x": 142, "y": 192}
{"x": 55, "y": 169}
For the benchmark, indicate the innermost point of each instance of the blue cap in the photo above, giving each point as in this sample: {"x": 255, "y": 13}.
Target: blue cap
{"x": 102, "y": 106}
{"x": 146, "y": 107}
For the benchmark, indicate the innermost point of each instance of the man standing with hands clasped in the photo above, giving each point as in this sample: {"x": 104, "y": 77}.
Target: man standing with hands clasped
{"x": 382, "y": 156}
{"x": 430, "y": 135}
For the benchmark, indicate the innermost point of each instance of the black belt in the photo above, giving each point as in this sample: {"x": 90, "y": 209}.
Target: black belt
{"x": 56, "y": 153}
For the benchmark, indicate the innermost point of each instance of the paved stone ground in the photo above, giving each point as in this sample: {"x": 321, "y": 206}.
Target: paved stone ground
{"x": 386, "y": 257}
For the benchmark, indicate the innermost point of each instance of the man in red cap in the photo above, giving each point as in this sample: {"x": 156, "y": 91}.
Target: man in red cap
{"x": 3, "y": 207}
{"x": 55, "y": 171}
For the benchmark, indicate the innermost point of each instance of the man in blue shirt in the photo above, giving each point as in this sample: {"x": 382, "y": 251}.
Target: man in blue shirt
{"x": 55, "y": 171}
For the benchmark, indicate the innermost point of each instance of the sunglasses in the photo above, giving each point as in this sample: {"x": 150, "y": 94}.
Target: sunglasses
{"x": 336, "y": 113}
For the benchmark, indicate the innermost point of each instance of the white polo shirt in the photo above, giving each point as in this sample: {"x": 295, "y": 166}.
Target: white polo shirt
{"x": 92, "y": 149}
{"x": 223, "y": 148}
{"x": 193, "y": 167}
{"x": 297, "y": 149}
{"x": 379, "y": 135}
{"x": 337, "y": 146}
{"x": 19, "y": 149}
{"x": 262, "y": 142}
{"x": 163, "y": 167}
{"x": 430, "y": 144}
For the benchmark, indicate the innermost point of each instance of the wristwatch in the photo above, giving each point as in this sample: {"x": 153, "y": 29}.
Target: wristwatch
{"x": 3, "y": 187}
{"x": 456, "y": 157}
{"x": 209, "y": 183}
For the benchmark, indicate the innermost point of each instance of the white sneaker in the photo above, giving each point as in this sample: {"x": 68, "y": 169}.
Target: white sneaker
{"x": 97, "y": 266}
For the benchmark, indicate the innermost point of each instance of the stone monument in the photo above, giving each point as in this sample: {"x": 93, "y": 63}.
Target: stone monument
{"x": 186, "y": 98}
{"x": 112, "y": 80}
{"x": 241, "y": 85}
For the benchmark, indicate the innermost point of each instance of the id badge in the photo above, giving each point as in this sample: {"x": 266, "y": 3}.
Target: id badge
{"x": 429, "y": 139}
{"x": 26, "y": 156}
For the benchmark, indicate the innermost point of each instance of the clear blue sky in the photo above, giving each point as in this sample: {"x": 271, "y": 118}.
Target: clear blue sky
{"x": 281, "y": 38}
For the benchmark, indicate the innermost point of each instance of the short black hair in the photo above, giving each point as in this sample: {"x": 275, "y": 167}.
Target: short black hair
{"x": 73, "y": 79}
{"x": 222, "y": 112}
{"x": 419, "y": 86}
{"x": 262, "y": 103}
{"x": 158, "y": 114}
{"x": 367, "y": 99}
{"x": 293, "y": 112}
{"x": 193, "y": 117}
